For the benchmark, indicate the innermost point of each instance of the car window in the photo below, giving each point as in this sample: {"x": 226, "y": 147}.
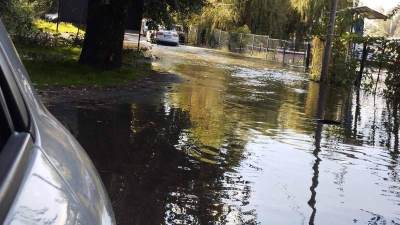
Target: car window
{"x": 5, "y": 129}
{"x": 12, "y": 95}
{"x": 5, "y": 121}
{"x": 4, "y": 132}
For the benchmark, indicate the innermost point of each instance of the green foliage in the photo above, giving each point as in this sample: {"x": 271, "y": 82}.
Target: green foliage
{"x": 383, "y": 54}
{"x": 269, "y": 17}
{"x": 243, "y": 30}
{"x": 17, "y": 15}
{"x": 168, "y": 12}
{"x": 392, "y": 61}
{"x": 275, "y": 18}
{"x": 343, "y": 68}
{"x": 283, "y": 19}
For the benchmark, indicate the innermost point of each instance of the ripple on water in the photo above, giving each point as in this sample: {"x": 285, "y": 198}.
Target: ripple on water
{"x": 258, "y": 76}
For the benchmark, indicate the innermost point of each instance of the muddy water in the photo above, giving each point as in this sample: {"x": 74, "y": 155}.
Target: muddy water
{"x": 236, "y": 142}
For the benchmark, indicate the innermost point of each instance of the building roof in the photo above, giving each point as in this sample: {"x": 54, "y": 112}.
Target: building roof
{"x": 368, "y": 13}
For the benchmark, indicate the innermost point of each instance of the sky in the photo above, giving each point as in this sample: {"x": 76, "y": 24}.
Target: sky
{"x": 387, "y": 5}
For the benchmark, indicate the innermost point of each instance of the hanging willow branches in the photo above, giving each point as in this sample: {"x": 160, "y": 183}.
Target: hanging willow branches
{"x": 276, "y": 18}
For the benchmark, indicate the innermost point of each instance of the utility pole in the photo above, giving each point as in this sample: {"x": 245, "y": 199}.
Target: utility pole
{"x": 140, "y": 32}
{"x": 328, "y": 42}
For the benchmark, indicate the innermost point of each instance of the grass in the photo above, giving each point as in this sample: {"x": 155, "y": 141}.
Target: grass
{"x": 51, "y": 27}
{"x": 58, "y": 66}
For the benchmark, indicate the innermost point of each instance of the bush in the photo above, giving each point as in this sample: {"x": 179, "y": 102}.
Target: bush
{"x": 18, "y": 16}
{"x": 243, "y": 30}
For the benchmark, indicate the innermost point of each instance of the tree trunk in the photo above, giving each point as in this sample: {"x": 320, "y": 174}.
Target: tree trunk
{"x": 102, "y": 47}
{"x": 328, "y": 43}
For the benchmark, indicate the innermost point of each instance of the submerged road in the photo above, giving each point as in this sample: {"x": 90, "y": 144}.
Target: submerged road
{"x": 235, "y": 141}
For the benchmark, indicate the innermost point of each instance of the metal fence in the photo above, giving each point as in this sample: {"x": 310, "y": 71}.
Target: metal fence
{"x": 291, "y": 53}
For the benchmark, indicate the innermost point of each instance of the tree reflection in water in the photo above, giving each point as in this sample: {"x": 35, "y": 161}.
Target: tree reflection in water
{"x": 320, "y": 115}
{"x": 149, "y": 181}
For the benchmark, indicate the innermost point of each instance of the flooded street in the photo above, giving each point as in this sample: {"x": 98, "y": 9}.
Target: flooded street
{"x": 236, "y": 141}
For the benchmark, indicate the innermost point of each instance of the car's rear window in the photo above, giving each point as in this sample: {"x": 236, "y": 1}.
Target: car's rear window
{"x": 5, "y": 131}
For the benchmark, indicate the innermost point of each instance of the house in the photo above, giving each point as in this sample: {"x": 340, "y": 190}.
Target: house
{"x": 360, "y": 14}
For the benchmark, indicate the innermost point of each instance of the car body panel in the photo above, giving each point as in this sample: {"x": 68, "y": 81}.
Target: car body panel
{"x": 53, "y": 203}
{"x": 59, "y": 158}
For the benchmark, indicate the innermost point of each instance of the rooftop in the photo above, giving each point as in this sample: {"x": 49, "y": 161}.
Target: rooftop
{"x": 368, "y": 13}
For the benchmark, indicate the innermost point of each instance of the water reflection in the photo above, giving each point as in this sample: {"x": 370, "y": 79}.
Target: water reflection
{"x": 235, "y": 145}
{"x": 320, "y": 115}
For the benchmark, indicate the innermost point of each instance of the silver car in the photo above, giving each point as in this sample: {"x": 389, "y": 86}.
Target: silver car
{"x": 45, "y": 175}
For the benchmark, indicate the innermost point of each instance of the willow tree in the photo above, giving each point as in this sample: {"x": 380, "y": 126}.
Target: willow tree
{"x": 268, "y": 17}
{"x": 310, "y": 11}
{"x": 218, "y": 15}
{"x": 314, "y": 13}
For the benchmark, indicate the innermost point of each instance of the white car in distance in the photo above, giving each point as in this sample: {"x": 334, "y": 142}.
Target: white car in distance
{"x": 164, "y": 36}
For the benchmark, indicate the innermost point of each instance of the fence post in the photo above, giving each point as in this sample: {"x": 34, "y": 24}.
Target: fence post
{"x": 206, "y": 37}
{"x": 240, "y": 44}
{"x": 284, "y": 52}
{"x": 307, "y": 56}
{"x": 188, "y": 36}
{"x": 294, "y": 50}
{"x": 252, "y": 48}
{"x": 196, "y": 30}
{"x": 219, "y": 38}
{"x": 266, "y": 53}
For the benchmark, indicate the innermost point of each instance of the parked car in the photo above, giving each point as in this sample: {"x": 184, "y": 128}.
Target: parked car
{"x": 164, "y": 36}
{"x": 45, "y": 175}
{"x": 52, "y": 17}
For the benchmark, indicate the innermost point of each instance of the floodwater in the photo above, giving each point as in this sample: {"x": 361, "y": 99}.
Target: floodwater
{"x": 237, "y": 142}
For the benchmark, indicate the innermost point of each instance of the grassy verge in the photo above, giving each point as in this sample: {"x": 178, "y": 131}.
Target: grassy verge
{"x": 58, "y": 66}
{"x": 51, "y": 27}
